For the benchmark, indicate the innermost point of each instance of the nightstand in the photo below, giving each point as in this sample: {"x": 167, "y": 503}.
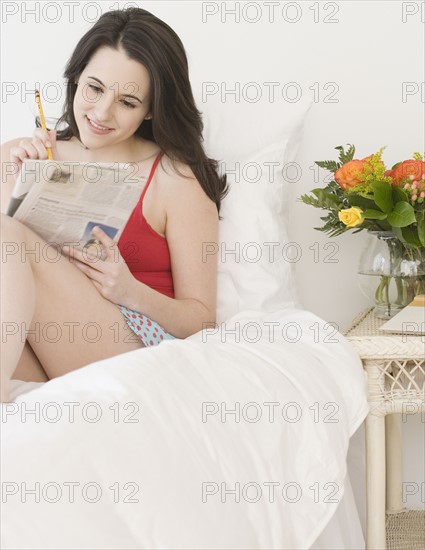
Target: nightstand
{"x": 395, "y": 366}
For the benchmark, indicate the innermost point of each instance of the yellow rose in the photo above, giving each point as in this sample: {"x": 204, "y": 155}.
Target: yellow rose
{"x": 351, "y": 216}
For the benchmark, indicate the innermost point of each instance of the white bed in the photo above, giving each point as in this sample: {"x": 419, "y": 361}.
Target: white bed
{"x": 180, "y": 451}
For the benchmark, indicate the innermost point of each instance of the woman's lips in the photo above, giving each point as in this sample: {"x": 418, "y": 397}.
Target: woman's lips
{"x": 98, "y": 131}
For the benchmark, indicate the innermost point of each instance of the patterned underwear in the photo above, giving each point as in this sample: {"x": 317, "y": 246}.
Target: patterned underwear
{"x": 147, "y": 330}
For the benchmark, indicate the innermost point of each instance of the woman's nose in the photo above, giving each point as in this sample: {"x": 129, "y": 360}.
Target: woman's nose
{"x": 103, "y": 107}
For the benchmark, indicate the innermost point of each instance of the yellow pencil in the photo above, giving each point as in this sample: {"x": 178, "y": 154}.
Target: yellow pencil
{"x": 43, "y": 121}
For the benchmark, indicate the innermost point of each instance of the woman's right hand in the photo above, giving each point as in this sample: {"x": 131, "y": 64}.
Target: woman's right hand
{"x": 35, "y": 148}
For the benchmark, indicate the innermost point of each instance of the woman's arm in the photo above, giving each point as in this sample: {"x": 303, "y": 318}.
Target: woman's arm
{"x": 192, "y": 235}
{"x": 7, "y": 170}
{"x": 14, "y": 152}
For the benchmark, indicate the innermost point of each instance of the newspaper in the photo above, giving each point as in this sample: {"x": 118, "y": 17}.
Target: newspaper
{"x": 63, "y": 200}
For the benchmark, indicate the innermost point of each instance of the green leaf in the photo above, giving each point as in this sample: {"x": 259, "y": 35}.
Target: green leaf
{"x": 321, "y": 193}
{"x": 362, "y": 202}
{"x": 397, "y": 233}
{"x": 311, "y": 201}
{"x": 325, "y": 200}
{"x": 402, "y": 215}
{"x": 377, "y": 225}
{"x": 374, "y": 214}
{"x": 411, "y": 236}
{"x": 382, "y": 195}
{"x": 399, "y": 195}
{"x": 332, "y": 226}
{"x": 421, "y": 229}
{"x": 346, "y": 156}
{"x": 330, "y": 165}
{"x": 396, "y": 164}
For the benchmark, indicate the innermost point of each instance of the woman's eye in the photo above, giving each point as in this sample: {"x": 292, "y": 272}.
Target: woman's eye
{"x": 98, "y": 90}
{"x": 128, "y": 104}
{"x": 94, "y": 88}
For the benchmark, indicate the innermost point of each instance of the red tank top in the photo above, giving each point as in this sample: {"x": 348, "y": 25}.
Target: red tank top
{"x": 145, "y": 251}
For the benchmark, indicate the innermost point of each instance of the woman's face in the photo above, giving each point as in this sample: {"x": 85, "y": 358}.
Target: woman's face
{"x": 112, "y": 99}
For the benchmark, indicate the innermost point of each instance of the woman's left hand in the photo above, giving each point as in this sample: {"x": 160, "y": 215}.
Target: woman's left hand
{"x": 110, "y": 276}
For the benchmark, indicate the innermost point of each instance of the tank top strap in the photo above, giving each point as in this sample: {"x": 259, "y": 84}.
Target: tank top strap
{"x": 154, "y": 165}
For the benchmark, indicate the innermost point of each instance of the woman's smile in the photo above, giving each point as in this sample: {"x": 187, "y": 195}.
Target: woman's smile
{"x": 97, "y": 128}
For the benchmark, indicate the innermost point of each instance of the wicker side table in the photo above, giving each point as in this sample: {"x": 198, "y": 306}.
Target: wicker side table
{"x": 395, "y": 366}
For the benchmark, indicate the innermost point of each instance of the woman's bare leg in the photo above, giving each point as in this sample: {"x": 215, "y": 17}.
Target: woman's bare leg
{"x": 17, "y": 300}
{"x": 29, "y": 368}
{"x": 68, "y": 323}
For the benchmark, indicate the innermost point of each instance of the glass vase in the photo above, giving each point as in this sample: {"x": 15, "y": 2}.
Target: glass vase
{"x": 391, "y": 273}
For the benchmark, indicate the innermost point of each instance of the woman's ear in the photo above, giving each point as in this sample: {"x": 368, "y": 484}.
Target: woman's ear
{"x": 148, "y": 117}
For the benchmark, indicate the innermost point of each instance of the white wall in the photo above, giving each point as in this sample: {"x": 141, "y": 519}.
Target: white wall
{"x": 368, "y": 53}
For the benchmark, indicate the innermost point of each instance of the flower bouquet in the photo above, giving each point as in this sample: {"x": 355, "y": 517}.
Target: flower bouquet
{"x": 390, "y": 205}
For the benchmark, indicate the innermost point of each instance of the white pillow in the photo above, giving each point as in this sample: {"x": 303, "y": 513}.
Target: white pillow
{"x": 256, "y": 145}
{"x": 236, "y": 128}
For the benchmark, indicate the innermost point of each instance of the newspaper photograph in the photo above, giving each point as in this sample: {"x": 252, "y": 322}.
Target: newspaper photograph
{"x": 63, "y": 200}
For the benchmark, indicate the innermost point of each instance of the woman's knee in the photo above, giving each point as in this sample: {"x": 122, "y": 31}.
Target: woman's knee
{"x": 12, "y": 238}
{"x": 13, "y": 232}
{"x": 19, "y": 240}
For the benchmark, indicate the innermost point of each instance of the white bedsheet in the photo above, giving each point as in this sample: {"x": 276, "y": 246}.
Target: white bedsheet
{"x": 172, "y": 451}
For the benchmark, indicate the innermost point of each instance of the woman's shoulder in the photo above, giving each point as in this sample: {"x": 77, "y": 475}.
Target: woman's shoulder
{"x": 179, "y": 185}
{"x": 174, "y": 173}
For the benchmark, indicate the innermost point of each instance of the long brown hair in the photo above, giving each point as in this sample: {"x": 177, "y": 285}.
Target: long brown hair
{"x": 176, "y": 124}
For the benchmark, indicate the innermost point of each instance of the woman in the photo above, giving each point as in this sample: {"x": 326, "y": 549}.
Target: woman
{"x": 128, "y": 99}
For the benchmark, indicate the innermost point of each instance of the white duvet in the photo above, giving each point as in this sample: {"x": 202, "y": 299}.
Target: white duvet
{"x": 143, "y": 450}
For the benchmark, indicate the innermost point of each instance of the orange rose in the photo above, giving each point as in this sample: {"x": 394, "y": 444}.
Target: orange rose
{"x": 407, "y": 168}
{"x": 348, "y": 175}
{"x": 390, "y": 174}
